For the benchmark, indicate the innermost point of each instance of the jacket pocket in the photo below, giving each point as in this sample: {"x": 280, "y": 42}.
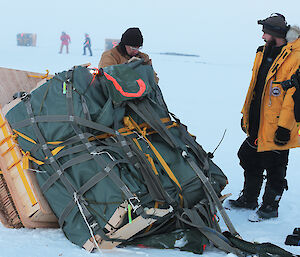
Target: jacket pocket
{"x": 270, "y": 126}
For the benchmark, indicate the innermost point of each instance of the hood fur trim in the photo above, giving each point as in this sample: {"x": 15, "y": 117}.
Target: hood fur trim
{"x": 293, "y": 33}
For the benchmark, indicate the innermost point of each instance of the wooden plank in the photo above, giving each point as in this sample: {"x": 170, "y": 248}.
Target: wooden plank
{"x": 30, "y": 203}
{"x": 13, "y": 81}
{"x": 127, "y": 231}
{"x": 9, "y": 216}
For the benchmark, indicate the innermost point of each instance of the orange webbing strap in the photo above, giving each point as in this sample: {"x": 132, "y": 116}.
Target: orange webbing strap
{"x": 42, "y": 77}
{"x": 8, "y": 138}
{"x": 27, "y": 157}
{"x": 157, "y": 154}
{"x": 5, "y": 139}
{"x": 127, "y": 130}
{"x": 24, "y": 136}
{"x": 181, "y": 200}
{"x": 124, "y": 131}
{"x": 148, "y": 157}
{"x": 155, "y": 171}
{"x": 150, "y": 226}
{"x": 11, "y": 146}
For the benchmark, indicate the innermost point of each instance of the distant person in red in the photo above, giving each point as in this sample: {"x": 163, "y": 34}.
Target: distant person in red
{"x": 87, "y": 44}
{"x": 65, "y": 41}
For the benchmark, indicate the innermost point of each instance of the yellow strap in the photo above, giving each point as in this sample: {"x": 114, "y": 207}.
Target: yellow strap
{"x": 11, "y": 146}
{"x": 150, "y": 226}
{"x": 24, "y": 136}
{"x": 2, "y": 123}
{"x": 127, "y": 130}
{"x": 31, "y": 140}
{"x": 147, "y": 155}
{"x": 157, "y": 154}
{"x": 54, "y": 151}
{"x": 5, "y": 139}
{"x": 17, "y": 163}
{"x": 57, "y": 149}
{"x": 41, "y": 76}
{"x": 137, "y": 143}
{"x": 156, "y": 172}
{"x": 152, "y": 163}
{"x": 27, "y": 157}
{"x": 181, "y": 200}
{"x": 124, "y": 131}
{"x": 13, "y": 164}
{"x": 129, "y": 126}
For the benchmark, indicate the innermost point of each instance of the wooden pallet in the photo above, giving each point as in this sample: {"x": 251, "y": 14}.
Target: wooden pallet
{"x": 8, "y": 213}
{"x": 23, "y": 189}
{"x": 13, "y": 81}
{"x": 127, "y": 231}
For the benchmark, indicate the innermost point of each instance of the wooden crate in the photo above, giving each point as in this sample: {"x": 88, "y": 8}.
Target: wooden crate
{"x": 13, "y": 81}
{"x": 31, "y": 206}
{"x": 126, "y": 231}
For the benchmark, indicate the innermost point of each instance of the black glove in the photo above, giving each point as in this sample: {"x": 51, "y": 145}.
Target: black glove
{"x": 282, "y": 136}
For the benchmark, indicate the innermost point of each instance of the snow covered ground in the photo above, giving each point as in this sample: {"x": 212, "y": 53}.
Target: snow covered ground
{"x": 205, "y": 92}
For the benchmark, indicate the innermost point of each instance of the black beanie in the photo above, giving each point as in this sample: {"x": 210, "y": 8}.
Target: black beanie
{"x": 132, "y": 37}
{"x": 275, "y": 25}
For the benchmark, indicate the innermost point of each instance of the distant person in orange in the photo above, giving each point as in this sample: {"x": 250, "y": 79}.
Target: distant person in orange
{"x": 65, "y": 41}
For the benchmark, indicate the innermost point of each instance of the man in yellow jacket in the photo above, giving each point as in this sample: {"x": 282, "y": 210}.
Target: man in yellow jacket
{"x": 128, "y": 49}
{"x": 268, "y": 118}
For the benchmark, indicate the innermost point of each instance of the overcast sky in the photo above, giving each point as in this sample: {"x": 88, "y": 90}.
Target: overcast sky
{"x": 194, "y": 26}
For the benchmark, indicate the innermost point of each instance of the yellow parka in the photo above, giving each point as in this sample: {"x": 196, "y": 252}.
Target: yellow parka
{"x": 277, "y": 105}
{"x": 114, "y": 57}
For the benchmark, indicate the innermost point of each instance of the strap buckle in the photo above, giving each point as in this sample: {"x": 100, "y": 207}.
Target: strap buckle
{"x": 25, "y": 96}
{"x": 134, "y": 202}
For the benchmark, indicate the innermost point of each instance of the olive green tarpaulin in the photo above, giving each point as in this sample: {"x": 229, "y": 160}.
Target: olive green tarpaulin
{"x": 97, "y": 168}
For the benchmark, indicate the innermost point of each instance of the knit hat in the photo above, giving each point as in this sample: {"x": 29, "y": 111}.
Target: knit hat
{"x": 275, "y": 25}
{"x": 132, "y": 37}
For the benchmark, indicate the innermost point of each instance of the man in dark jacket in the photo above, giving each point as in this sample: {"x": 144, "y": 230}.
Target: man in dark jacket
{"x": 87, "y": 44}
{"x": 268, "y": 119}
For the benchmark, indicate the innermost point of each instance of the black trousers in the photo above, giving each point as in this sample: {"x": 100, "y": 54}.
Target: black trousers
{"x": 88, "y": 47}
{"x": 255, "y": 163}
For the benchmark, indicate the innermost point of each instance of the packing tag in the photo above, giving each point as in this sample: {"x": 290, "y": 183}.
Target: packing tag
{"x": 64, "y": 88}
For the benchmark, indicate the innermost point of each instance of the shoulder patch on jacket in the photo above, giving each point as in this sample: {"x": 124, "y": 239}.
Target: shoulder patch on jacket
{"x": 260, "y": 49}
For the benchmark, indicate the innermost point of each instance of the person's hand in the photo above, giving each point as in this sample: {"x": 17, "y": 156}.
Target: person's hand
{"x": 133, "y": 59}
{"x": 282, "y": 136}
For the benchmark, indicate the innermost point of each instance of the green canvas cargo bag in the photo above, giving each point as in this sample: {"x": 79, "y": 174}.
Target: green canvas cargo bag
{"x": 110, "y": 148}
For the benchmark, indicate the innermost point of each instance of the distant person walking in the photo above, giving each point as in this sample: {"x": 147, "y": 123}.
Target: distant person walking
{"x": 268, "y": 118}
{"x": 87, "y": 44}
{"x": 65, "y": 41}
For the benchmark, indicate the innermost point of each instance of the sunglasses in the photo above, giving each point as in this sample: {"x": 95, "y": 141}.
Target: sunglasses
{"x": 135, "y": 48}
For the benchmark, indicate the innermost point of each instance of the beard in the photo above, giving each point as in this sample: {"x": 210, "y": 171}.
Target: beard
{"x": 270, "y": 42}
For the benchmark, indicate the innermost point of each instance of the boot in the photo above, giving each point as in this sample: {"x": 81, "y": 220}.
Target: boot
{"x": 267, "y": 212}
{"x": 269, "y": 208}
{"x": 250, "y": 192}
{"x": 243, "y": 203}
{"x": 276, "y": 183}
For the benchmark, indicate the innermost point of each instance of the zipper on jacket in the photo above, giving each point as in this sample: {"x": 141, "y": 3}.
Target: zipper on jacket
{"x": 270, "y": 94}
